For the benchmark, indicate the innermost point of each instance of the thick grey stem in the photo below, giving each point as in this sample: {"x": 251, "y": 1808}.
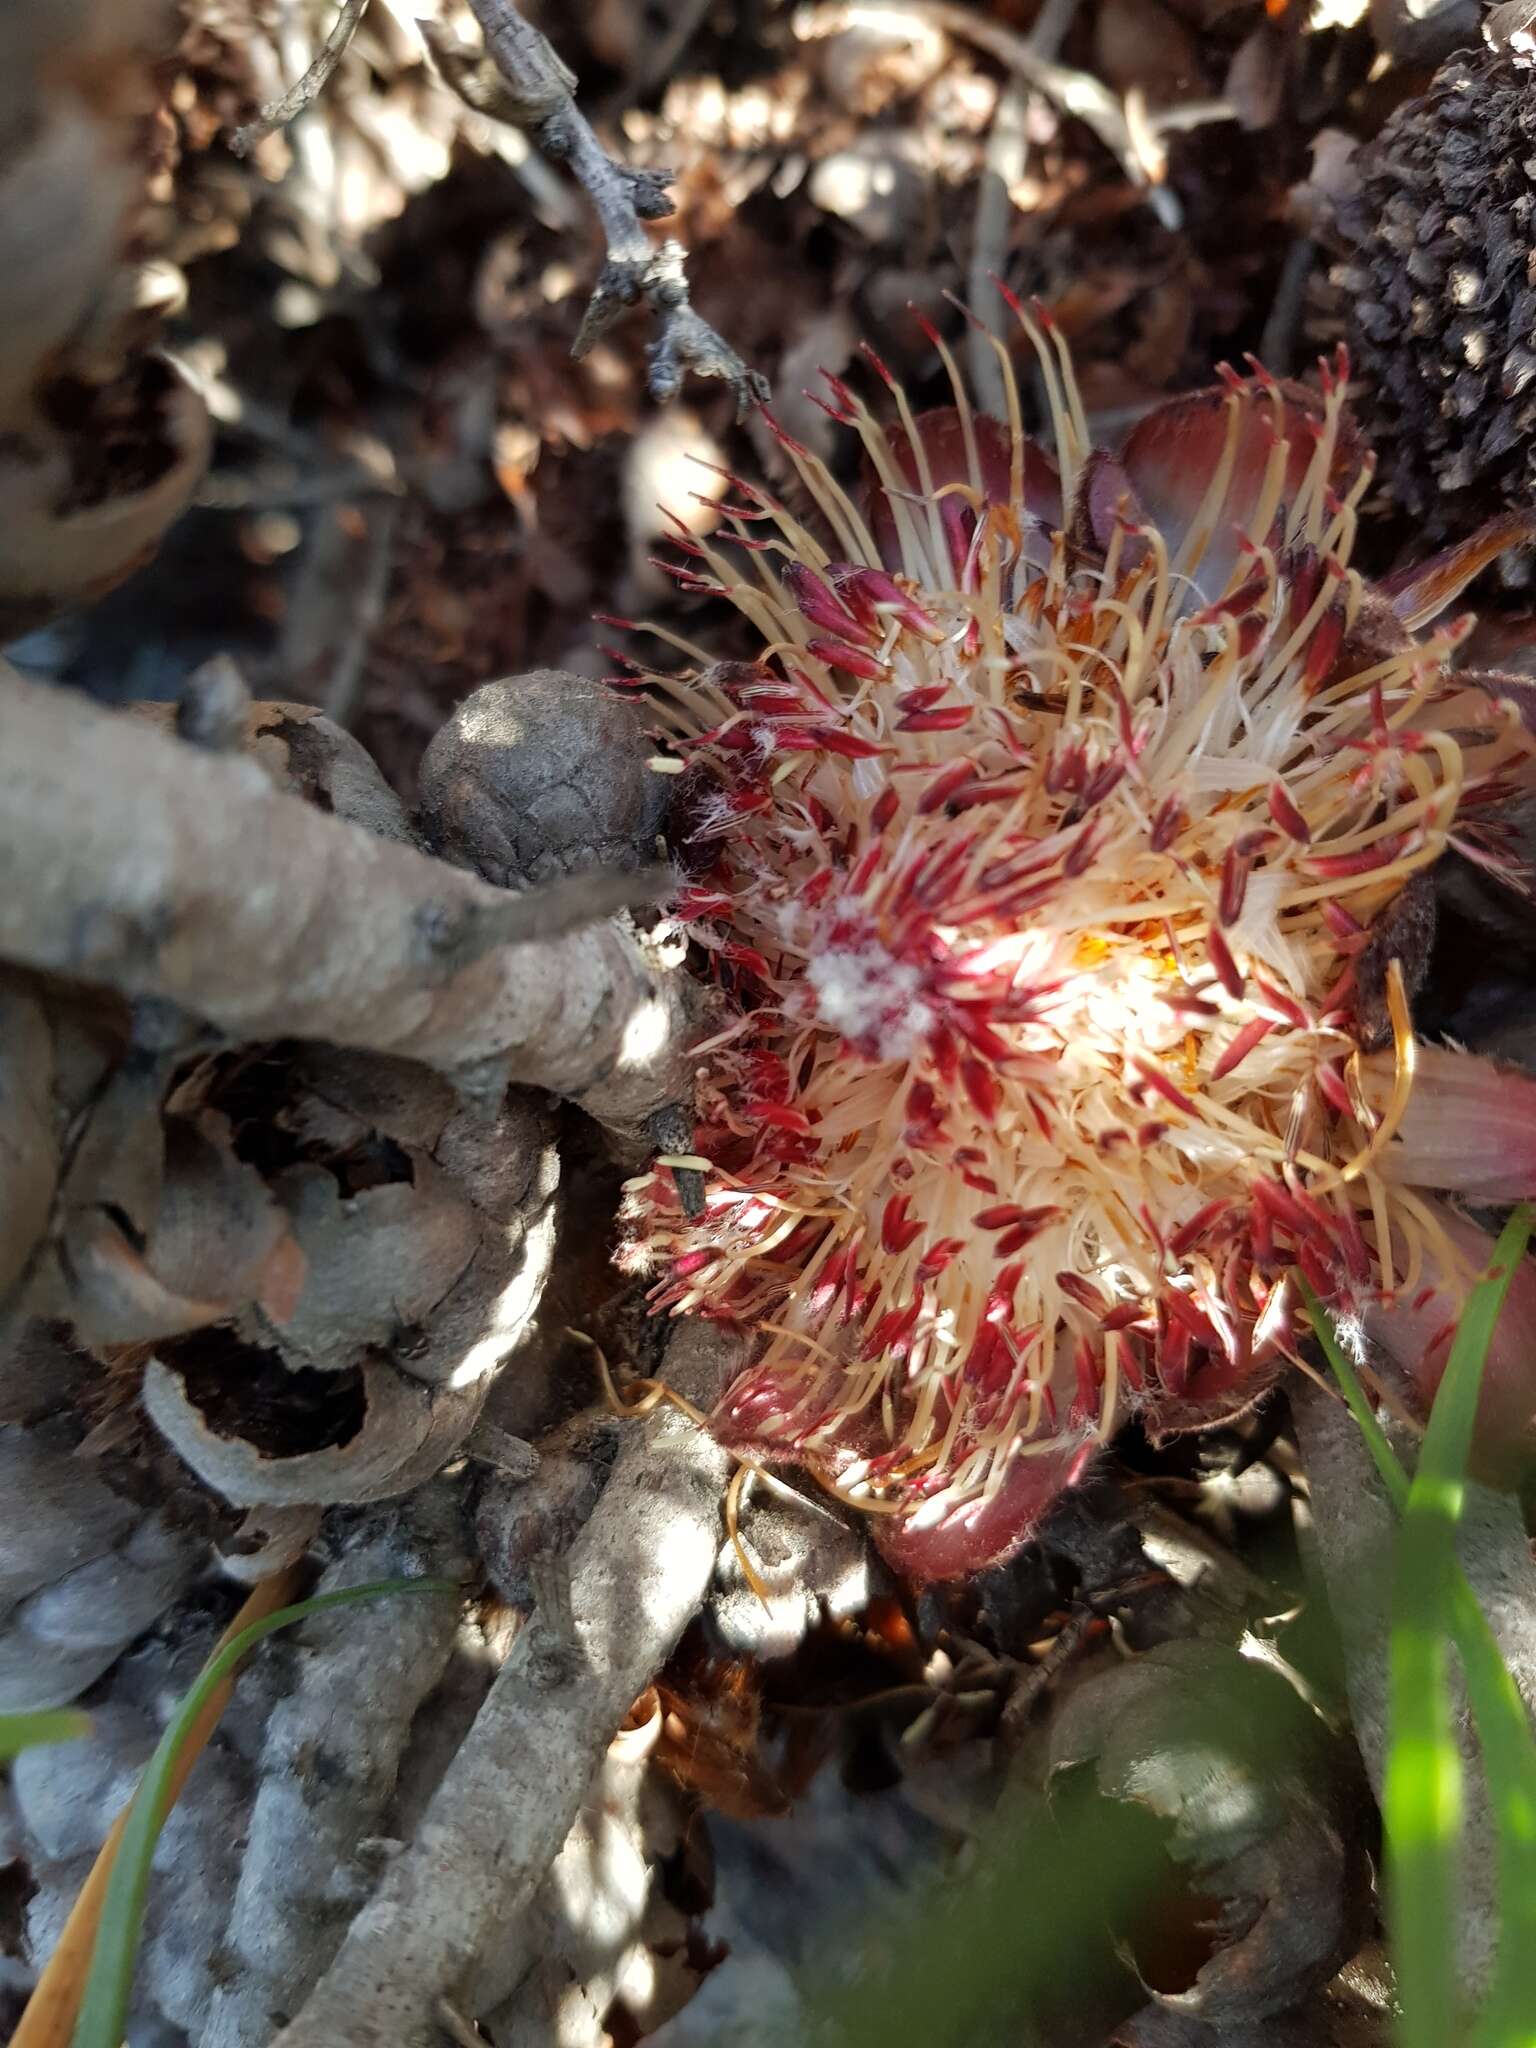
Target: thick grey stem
{"x": 130, "y": 859}
{"x": 539, "y": 95}
{"x": 329, "y": 1764}
{"x": 637, "y": 1573}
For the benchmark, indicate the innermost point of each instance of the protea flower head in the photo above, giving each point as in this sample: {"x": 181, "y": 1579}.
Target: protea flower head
{"x": 1040, "y": 852}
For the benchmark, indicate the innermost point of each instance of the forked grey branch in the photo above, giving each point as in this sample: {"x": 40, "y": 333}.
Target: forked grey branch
{"x": 307, "y": 89}
{"x": 532, "y": 89}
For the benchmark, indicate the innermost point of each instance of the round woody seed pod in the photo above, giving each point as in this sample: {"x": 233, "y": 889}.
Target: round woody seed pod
{"x": 539, "y": 776}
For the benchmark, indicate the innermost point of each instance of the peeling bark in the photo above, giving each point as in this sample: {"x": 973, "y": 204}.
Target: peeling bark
{"x": 466, "y": 1884}
{"x": 328, "y": 1768}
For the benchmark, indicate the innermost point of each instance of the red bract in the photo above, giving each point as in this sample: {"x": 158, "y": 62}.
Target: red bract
{"x": 1039, "y": 853}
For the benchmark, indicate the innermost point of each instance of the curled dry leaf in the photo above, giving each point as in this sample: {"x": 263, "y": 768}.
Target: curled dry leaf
{"x": 76, "y": 80}
{"x": 229, "y": 1412}
{"x": 92, "y": 1550}
{"x": 1263, "y": 1824}
{"x": 74, "y": 528}
{"x": 421, "y": 1266}
{"x": 215, "y": 1227}
{"x": 378, "y": 1261}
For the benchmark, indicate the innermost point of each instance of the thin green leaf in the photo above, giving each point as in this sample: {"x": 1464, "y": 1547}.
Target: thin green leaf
{"x": 1393, "y": 1477}
{"x": 1509, "y": 1765}
{"x": 1439, "y": 1480}
{"x": 30, "y": 1731}
{"x": 999, "y": 1939}
{"x": 1503, "y": 1728}
{"x": 1421, "y": 1796}
{"x": 1421, "y": 1803}
{"x": 103, "y": 2011}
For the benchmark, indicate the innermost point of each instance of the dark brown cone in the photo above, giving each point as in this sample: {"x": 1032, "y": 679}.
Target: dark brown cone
{"x": 1441, "y": 292}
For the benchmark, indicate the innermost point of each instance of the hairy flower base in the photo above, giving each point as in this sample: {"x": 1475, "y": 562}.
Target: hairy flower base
{"x": 1040, "y": 851}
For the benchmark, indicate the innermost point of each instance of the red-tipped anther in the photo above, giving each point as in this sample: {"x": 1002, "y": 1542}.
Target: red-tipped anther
{"x": 853, "y": 661}
{"x": 1103, "y": 782}
{"x": 1200, "y": 1227}
{"x": 1083, "y": 1292}
{"x": 877, "y": 366}
{"x": 1331, "y": 1086}
{"x": 1154, "y": 1078}
{"x": 1282, "y": 809}
{"x": 869, "y": 593}
{"x": 1339, "y": 921}
{"x": 852, "y": 746}
{"x": 1323, "y": 649}
{"x": 1341, "y": 866}
{"x": 1083, "y": 852}
{"x": 784, "y": 438}
{"x": 924, "y": 1117}
{"x": 1219, "y": 953}
{"x": 841, "y": 392}
{"x": 1251, "y": 1034}
{"x": 1236, "y": 867}
{"x": 1001, "y": 1216}
{"x": 950, "y": 718}
{"x": 1168, "y": 821}
{"x": 958, "y": 520}
{"x": 748, "y": 957}
{"x": 819, "y": 603}
{"x": 780, "y": 1116}
{"x": 939, "y": 1256}
{"x": 922, "y": 699}
{"x": 980, "y": 1084}
{"x": 954, "y": 776}
{"x": 897, "y": 1229}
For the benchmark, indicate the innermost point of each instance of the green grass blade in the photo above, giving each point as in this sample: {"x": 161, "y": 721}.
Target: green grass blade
{"x": 1509, "y": 1765}
{"x": 50, "y": 1724}
{"x": 1394, "y": 1478}
{"x": 104, "y": 2008}
{"x": 1503, "y": 1728}
{"x": 1422, "y": 1796}
{"x": 1438, "y": 1483}
{"x": 967, "y": 1954}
